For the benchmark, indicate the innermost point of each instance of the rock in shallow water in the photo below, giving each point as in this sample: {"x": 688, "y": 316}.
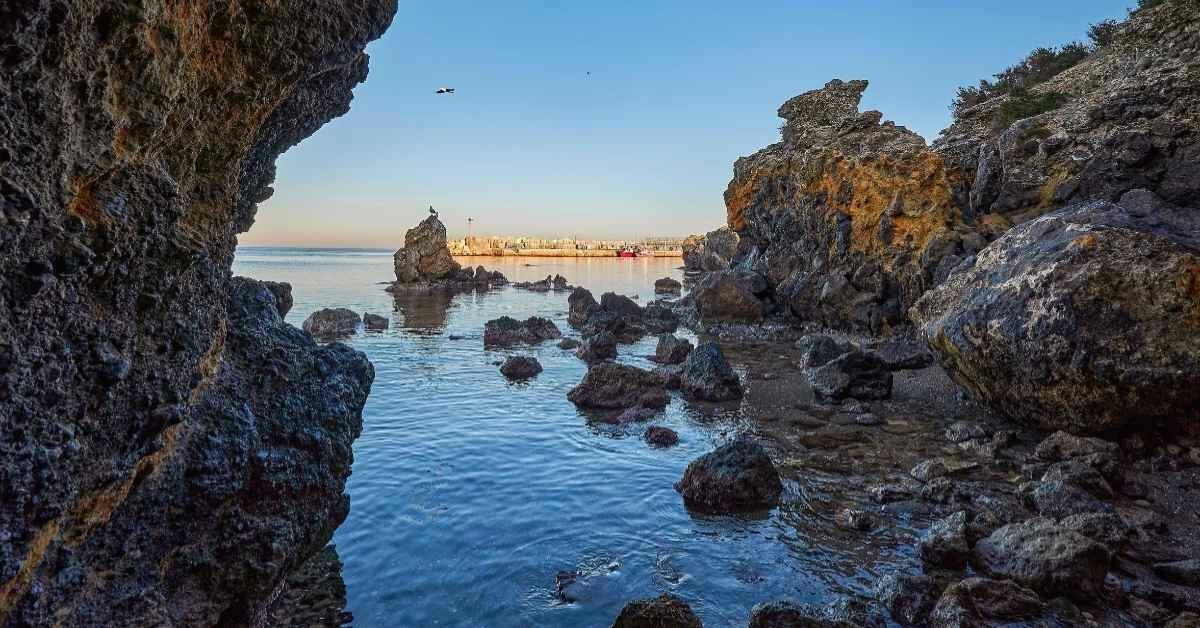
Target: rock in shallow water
{"x": 520, "y": 367}
{"x": 661, "y": 436}
{"x": 664, "y": 611}
{"x": 1045, "y": 556}
{"x": 375, "y": 322}
{"x": 735, "y": 477}
{"x": 331, "y": 323}
{"x": 908, "y": 598}
{"x": 617, "y": 386}
{"x": 506, "y": 331}
{"x": 1086, "y": 319}
{"x": 667, "y": 285}
{"x": 707, "y": 376}
{"x": 672, "y": 350}
{"x": 598, "y": 348}
{"x": 840, "y": 613}
{"x": 983, "y": 602}
{"x": 425, "y": 256}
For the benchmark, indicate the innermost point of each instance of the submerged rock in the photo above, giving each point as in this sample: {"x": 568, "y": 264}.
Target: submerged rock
{"x": 520, "y": 367}
{"x": 672, "y": 350}
{"x": 330, "y": 323}
{"x": 375, "y": 322}
{"x": 707, "y": 376}
{"x": 506, "y": 331}
{"x": 661, "y": 436}
{"x": 617, "y": 386}
{"x": 664, "y": 611}
{"x": 1123, "y": 344}
{"x": 1045, "y": 556}
{"x": 735, "y": 477}
{"x": 667, "y": 285}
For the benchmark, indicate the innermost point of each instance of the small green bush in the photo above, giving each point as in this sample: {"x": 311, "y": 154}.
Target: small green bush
{"x": 1040, "y": 66}
{"x": 1104, "y": 33}
{"x": 1021, "y": 104}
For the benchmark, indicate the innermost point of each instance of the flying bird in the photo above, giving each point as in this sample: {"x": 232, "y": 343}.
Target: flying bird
{"x": 445, "y": 90}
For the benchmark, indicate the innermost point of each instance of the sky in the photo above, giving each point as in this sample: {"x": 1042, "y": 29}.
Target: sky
{"x": 531, "y": 144}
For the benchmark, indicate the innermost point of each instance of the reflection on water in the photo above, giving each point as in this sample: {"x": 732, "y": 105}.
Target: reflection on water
{"x": 469, "y": 495}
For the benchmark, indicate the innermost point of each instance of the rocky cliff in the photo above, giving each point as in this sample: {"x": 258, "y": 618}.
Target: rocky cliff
{"x": 171, "y": 448}
{"x": 851, "y": 218}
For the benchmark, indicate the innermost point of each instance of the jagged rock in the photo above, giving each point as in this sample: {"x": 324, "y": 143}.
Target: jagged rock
{"x": 580, "y": 304}
{"x": 617, "y": 386}
{"x": 1045, "y": 556}
{"x": 980, "y": 602}
{"x": 667, "y": 285}
{"x": 1063, "y": 446}
{"x": 840, "y": 613}
{"x": 901, "y": 355}
{"x": 520, "y": 367}
{"x": 282, "y": 291}
{"x": 852, "y": 519}
{"x": 908, "y": 598}
{"x": 661, "y": 436}
{"x": 837, "y": 370}
{"x": 730, "y": 295}
{"x": 569, "y": 344}
{"x": 735, "y": 477}
{"x": 557, "y": 282}
{"x": 1185, "y": 572}
{"x": 664, "y": 611}
{"x": 630, "y": 415}
{"x": 618, "y": 315}
{"x": 332, "y": 323}
{"x": 506, "y": 331}
{"x": 945, "y": 544}
{"x": 1121, "y": 346}
{"x": 375, "y": 322}
{"x": 599, "y": 347}
{"x": 482, "y": 277}
{"x": 425, "y": 256}
{"x": 672, "y": 350}
{"x": 707, "y": 376}
{"x": 961, "y": 431}
{"x": 671, "y": 375}
{"x": 1105, "y": 528}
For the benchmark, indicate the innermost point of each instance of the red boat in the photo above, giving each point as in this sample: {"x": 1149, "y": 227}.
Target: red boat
{"x": 627, "y": 253}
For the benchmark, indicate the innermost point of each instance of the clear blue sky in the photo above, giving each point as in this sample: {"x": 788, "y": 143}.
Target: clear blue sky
{"x": 644, "y": 145}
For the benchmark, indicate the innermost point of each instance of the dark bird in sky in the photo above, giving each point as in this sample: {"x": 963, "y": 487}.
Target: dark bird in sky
{"x": 445, "y": 90}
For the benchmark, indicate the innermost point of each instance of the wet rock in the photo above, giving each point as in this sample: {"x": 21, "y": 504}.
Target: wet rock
{"x": 581, "y": 304}
{"x": 891, "y": 493}
{"x": 555, "y": 283}
{"x": 980, "y": 602}
{"x": 840, "y": 613}
{"x": 630, "y": 415}
{"x": 564, "y": 582}
{"x": 425, "y": 257}
{"x": 598, "y": 348}
{"x": 672, "y": 350}
{"x": 852, "y": 519}
{"x": 661, "y": 436}
{"x": 282, "y": 291}
{"x": 520, "y": 367}
{"x": 707, "y": 376}
{"x": 619, "y": 305}
{"x": 1184, "y": 572}
{"x": 945, "y": 544}
{"x": 506, "y": 331}
{"x": 1184, "y": 620}
{"x": 1045, "y": 556}
{"x": 1057, "y": 498}
{"x": 908, "y": 598}
{"x": 618, "y": 315}
{"x": 735, "y": 477}
{"x": 617, "y": 386}
{"x": 664, "y": 611}
{"x": 1064, "y": 446}
{"x": 1105, "y": 528}
{"x": 856, "y": 375}
{"x": 569, "y": 344}
{"x": 960, "y": 431}
{"x": 375, "y": 322}
{"x": 1117, "y": 283}
{"x": 332, "y": 323}
{"x": 667, "y": 285}
{"x": 730, "y": 295}
{"x": 482, "y": 277}
{"x": 671, "y": 375}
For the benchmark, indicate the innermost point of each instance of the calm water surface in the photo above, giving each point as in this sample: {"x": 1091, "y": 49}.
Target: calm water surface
{"x": 470, "y": 493}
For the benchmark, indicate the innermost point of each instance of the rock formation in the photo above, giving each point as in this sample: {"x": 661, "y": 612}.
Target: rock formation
{"x": 507, "y": 331}
{"x": 735, "y": 477}
{"x": 664, "y": 611}
{"x": 851, "y": 219}
{"x": 331, "y": 323}
{"x": 425, "y": 256}
{"x": 177, "y": 449}
{"x": 612, "y": 386}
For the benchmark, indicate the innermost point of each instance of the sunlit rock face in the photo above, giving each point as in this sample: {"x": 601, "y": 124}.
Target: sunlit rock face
{"x": 852, "y": 218}
{"x": 171, "y": 448}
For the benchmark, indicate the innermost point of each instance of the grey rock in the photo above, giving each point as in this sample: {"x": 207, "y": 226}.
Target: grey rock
{"x": 282, "y": 291}
{"x": 981, "y": 602}
{"x": 1185, "y": 572}
{"x": 658, "y": 436}
{"x": 1045, "y": 556}
{"x": 375, "y": 322}
{"x": 425, "y": 257}
{"x": 735, "y": 477}
{"x": 330, "y": 323}
{"x": 730, "y": 295}
{"x": 617, "y": 386}
{"x": 945, "y": 544}
{"x": 672, "y": 350}
{"x": 598, "y": 348}
{"x": 667, "y": 285}
{"x": 506, "y": 331}
{"x": 707, "y": 376}
{"x": 908, "y": 598}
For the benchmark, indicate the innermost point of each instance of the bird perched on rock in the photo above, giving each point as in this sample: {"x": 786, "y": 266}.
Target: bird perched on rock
{"x": 432, "y": 211}
{"x": 445, "y": 90}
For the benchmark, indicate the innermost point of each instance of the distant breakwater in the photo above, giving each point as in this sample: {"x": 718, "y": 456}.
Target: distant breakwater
{"x": 559, "y": 253}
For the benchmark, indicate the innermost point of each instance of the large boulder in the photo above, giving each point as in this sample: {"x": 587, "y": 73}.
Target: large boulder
{"x": 838, "y": 370}
{"x": 707, "y": 376}
{"x": 425, "y": 256}
{"x": 672, "y": 350}
{"x": 735, "y": 477}
{"x": 614, "y": 386}
{"x": 1045, "y": 556}
{"x": 984, "y": 602}
{"x": 598, "y": 348}
{"x": 667, "y": 285}
{"x": 732, "y": 295}
{"x": 1086, "y": 319}
{"x": 331, "y": 323}
{"x": 618, "y": 315}
{"x": 507, "y": 331}
{"x": 581, "y": 304}
{"x": 664, "y": 611}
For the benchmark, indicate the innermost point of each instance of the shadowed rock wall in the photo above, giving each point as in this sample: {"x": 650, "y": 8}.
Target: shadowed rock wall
{"x": 171, "y": 448}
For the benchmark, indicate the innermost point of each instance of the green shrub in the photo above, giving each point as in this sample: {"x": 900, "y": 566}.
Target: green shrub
{"x": 1021, "y": 104}
{"x": 1104, "y": 33}
{"x": 1040, "y": 66}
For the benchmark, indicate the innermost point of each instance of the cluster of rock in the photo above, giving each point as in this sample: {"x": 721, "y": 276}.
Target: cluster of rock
{"x": 709, "y": 252}
{"x": 549, "y": 284}
{"x": 839, "y": 370}
{"x": 425, "y": 262}
{"x": 340, "y": 322}
{"x": 177, "y": 450}
{"x": 618, "y": 315}
{"x": 507, "y": 331}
